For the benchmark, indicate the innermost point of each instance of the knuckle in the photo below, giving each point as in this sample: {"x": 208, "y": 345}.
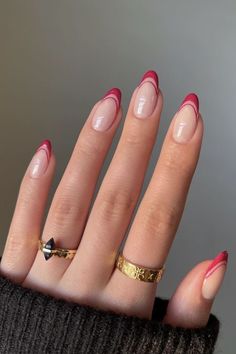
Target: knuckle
{"x": 160, "y": 220}
{"x": 65, "y": 211}
{"x": 116, "y": 204}
{"x": 88, "y": 147}
{"x": 133, "y": 138}
{"x": 174, "y": 161}
{"x": 26, "y": 193}
{"x": 15, "y": 244}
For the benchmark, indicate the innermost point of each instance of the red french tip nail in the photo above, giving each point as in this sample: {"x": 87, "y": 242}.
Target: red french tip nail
{"x": 221, "y": 258}
{"x": 193, "y": 100}
{"x": 151, "y": 74}
{"x": 47, "y": 146}
{"x": 114, "y": 91}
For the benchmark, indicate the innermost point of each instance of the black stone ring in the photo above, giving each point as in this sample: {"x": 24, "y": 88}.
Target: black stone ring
{"x": 48, "y": 248}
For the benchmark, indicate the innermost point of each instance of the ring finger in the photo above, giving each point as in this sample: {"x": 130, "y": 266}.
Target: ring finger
{"x": 159, "y": 213}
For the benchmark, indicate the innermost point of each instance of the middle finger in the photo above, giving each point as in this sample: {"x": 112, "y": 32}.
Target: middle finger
{"x": 120, "y": 188}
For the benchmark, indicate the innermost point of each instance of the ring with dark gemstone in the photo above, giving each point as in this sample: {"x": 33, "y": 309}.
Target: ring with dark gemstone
{"x": 48, "y": 248}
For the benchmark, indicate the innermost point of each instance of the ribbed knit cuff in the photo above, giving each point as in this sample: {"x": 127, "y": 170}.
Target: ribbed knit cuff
{"x": 33, "y": 322}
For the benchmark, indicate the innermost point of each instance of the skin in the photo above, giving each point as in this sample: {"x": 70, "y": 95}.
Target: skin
{"x": 98, "y": 235}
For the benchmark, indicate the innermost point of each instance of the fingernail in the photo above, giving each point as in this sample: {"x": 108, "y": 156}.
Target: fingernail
{"x": 40, "y": 160}
{"x": 214, "y": 275}
{"x": 107, "y": 110}
{"x": 186, "y": 119}
{"x": 146, "y": 97}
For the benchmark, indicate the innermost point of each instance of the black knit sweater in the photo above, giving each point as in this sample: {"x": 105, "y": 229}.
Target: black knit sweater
{"x": 33, "y": 322}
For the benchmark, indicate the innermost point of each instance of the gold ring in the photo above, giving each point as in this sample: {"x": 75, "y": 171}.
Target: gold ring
{"x": 135, "y": 271}
{"x": 48, "y": 248}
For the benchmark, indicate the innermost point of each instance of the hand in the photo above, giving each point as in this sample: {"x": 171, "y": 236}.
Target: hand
{"x": 90, "y": 277}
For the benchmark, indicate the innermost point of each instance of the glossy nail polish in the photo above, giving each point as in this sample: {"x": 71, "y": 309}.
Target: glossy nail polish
{"x": 186, "y": 119}
{"x": 40, "y": 160}
{"x": 147, "y": 94}
{"x": 107, "y": 110}
{"x": 214, "y": 275}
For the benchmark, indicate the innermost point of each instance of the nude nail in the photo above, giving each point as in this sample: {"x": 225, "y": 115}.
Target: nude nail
{"x": 146, "y": 97}
{"x": 214, "y": 276}
{"x": 186, "y": 119}
{"x": 40, "y": 160}
{"x": 107, "y": 110}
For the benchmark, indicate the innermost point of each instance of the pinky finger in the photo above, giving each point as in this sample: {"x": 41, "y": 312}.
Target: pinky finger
{"x": 190, "y": 306}
{"x": 25, "y": 229}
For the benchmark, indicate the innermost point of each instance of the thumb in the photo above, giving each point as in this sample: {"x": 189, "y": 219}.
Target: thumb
{"x": 191, "y": 303}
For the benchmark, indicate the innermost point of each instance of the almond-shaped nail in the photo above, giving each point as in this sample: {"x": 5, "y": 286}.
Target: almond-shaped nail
{"x": 107, "y": 110}
{"x": 40, "y": 161}
{"x": 186, "y": 119}
{"x": 214, "y": 276}
{"x": 147, "y": 94}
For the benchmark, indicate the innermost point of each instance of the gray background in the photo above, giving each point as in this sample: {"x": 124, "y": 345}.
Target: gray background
{"x": 57, "y": 58}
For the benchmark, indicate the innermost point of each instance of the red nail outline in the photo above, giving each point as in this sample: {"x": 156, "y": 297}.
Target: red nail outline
{"x": 150, "y": 74}
{"x": 117, "y": 93}
{"x": 45, "y": 145}
{"x": 192, "y": 100}
{"x": 218, "y": 261}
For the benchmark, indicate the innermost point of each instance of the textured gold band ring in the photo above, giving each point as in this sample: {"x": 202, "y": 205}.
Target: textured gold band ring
{"x": 138, "y": 272}
{"x": 128, "y": 268}
{"x": 48, "y": 248}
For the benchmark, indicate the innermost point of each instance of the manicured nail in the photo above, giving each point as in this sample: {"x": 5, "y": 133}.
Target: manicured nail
{"x": 107, "y": 110}
{"x": 146, "y": 97}
{"x": 40, "y": 160}
{"x": 186, "y": 119}
{"x": 214, "y": 275}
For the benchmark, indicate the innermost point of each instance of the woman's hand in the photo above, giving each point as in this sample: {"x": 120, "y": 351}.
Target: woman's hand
{"x": 91, "y": 277}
